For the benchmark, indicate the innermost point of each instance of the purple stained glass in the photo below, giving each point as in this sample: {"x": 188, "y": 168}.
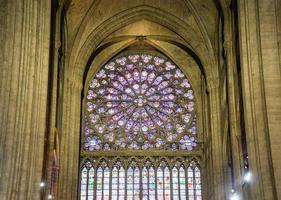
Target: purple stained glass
{"x": 139, "y": 101}
{"x": 93, "y": 143}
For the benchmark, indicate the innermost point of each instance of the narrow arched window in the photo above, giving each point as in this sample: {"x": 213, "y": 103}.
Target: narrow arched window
{"x": 87, "y": 181}
{"x": 140, "y": 110}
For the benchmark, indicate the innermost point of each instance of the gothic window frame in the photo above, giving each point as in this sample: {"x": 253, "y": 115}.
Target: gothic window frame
{"x": 139, "y": 153}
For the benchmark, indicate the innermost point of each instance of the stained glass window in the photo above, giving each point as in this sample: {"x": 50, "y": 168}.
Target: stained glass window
{"x": 160, "y": 184}
{"x": 134, "y": 183}
{"x": 139, "y": 103}
{"x": 115, "y": 182}
{"x": 130, "y": 183}
{"x": 190, "y": 183}
{"x": 99, "y": 183}
{"x": 106, "y": 182}
{"x": 145, "y": 187}
{"x": 91, "y": 179}
{"x": 151, "y": 183}
{"x": 197, "y": 183}
{"x": 167, "y": 183}
{"x": 118, "y": 182}
{"x": 121, "y": 193}
{"x": 83, "y": 190}
{"x": 182, "y": 186}
{"x": 175, "y": 180}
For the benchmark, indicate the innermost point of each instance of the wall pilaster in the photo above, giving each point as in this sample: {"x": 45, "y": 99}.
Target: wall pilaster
{"x": 69, "y": 147}
{"x": 24, "y": 61}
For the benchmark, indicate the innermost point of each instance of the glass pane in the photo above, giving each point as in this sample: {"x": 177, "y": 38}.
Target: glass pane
{"x": 190, "y": 183}
{"x": 175, "y": 183}
{"x": 167, "y": 183}
{"x": 130, "y": 180}
{"x": 160, "y": 184}
{"x": 197, "y": 183}
{"x": 121, "y": 183}
{"x": 182, "y": 184}
{"x": 151, "y": 184}
{"x": 99, "y": 183}
{"x": 106, "y": 182}
{"x": 83, "y": 183}
{"x": 91, "y": 184}
{"x": 137, "y": 184}
{"x": 114, "y": 183}
{"x": 145, "y": 183}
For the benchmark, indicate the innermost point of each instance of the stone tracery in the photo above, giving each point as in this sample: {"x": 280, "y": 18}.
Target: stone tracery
{"x": 140, "y": 101}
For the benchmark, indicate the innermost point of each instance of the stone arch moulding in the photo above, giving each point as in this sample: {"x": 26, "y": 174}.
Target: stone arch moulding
{"x": 176, "y": 157}
{"x": 187, "y": 64}
{"x": 113, "y": 49}
{"x": 79, "y": 56}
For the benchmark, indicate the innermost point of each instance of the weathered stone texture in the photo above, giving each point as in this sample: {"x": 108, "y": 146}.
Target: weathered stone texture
{"x": 24, "y": 77}
{"x": 199, "y": 35}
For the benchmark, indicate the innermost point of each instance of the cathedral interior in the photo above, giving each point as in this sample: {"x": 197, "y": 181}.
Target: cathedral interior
{"x": 140, "y": 99}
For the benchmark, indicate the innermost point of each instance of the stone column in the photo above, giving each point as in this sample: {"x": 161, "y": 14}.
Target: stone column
{"x": 216, "y": 144}
{"x": 24, "y": 61}
{"x": 70, "y": 134}
{"x": 261, "y": 94}
{"x": 271, "y": 66}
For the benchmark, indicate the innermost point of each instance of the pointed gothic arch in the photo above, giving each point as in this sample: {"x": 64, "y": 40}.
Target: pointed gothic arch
{"x": 139, "y": 102}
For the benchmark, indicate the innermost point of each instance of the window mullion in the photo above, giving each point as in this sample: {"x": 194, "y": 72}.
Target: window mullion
{"x": 110, "y": 183}
{"x": 140, "y": 184}
{"x": 118, "y": 183}
{"x": 171, "y": 183}
{"x": 179, "y": 189}
{"x": 148, "y": 181}
{"x": 133, "y": 183}
{"x": 194, "y": 184}
{"x": 95, "y": 183}
{"x": 186, "y": 183}
{"x": 126, "y": 174}
{"x": 156, "y": 183}
{"x": 102, "y": 185}
{"x": 87, "y": 185}
{"x": 163, "y": 180}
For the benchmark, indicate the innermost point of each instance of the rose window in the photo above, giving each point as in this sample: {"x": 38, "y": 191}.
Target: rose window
{"x": 140, "y": 101}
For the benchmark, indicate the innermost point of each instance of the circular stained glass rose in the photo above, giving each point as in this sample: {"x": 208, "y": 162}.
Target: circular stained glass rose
{"x": 140, "y": 102}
